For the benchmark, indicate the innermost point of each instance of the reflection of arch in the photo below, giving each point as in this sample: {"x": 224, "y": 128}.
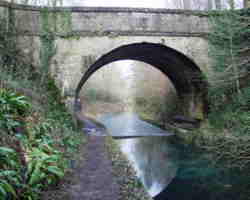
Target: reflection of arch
{"x": 182, "y": 71}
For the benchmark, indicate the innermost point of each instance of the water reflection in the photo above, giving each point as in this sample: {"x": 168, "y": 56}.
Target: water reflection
{"x": 199, "y": 177}
{"x": 153, "y": 159}
{"x": 170, "y": 170}
{"x": 116, "y": 96}
{"x": 125, "y": 125}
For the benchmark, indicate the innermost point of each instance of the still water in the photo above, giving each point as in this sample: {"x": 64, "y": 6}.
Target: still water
{"x": 153, "y": 160}
{"x": 170, "y": 170}
{"x": 147, "y": 149}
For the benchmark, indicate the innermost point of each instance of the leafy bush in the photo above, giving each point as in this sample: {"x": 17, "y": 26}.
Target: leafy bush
{"x": 157, "y": 109}
{"x": 9, "y": 172}
{"x": 37, "y": 156}
{"x": 229, "y": 92}
{"x": 37, "y": 137}
{"x": 12, "y": 108}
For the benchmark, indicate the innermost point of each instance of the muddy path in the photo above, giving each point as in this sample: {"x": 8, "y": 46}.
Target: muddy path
{"x": 90, "y": 178}
{"x": 96, "y": 181}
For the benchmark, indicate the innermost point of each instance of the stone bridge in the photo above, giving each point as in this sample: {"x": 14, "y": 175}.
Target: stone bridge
{"x": 86, "y": 39}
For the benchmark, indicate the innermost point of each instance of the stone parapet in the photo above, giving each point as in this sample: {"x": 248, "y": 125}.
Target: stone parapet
{"x": 96, "y": 21}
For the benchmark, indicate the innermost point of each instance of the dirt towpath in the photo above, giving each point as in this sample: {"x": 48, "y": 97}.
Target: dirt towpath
{"x": 96, "y": 181}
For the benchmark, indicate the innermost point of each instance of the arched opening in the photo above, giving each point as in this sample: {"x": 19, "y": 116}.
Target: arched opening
{"x": 185, "y": 75}
{"x": 154, "y": 159}
{"x": 130, "y": 86}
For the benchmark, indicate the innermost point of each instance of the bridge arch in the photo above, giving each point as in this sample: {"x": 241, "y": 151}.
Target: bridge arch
{"x": 185, "y": 75}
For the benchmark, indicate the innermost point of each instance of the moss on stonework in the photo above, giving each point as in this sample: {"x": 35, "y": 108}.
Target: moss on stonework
{"x": 56, "y": 22}
{"x": 47, "y": 21}
{"x": 64, "y": 22}
{"x": 52, "y": 25}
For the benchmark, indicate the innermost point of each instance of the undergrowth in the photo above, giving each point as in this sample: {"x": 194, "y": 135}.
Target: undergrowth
{"x": 35, "y": 148}
{"x": 155, "y": 109}
{"x": 229, "y": 91}
{"x": 38, "y": 140}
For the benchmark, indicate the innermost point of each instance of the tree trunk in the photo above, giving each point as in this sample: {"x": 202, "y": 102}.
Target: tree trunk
{"x": 187, "y": 4}
{"x": 232, "y": 4}
{"x": 209, "y": 4}
{"x": 218, "y": 4}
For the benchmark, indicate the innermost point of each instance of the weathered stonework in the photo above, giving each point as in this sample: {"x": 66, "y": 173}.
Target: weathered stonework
{"x": 82, "y": 35}
{"x": 108, "y": 21}
{"x": 27, "y": 22}
{"x": 74, "y": 56}
{"x": 247, "y": 3}
{"x": 3, "y": 12}
{"x": 30, "y": 47}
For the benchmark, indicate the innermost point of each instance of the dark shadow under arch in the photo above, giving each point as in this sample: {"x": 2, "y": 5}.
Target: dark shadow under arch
{"x": 181, "y": 70}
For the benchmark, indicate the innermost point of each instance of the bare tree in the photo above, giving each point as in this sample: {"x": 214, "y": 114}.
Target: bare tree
{"x": 187, "y": 4}
{"x": 172, "y": 4}
{"x": 232, "y": 4}
{"x": 218, "y": 5}
{"x": 39, "y": 2}
{"x": 209, "y": 4}
{"x": 178, "y": 4}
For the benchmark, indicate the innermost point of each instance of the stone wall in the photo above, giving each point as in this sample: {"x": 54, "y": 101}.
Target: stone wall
{"x": 76, "y": 55}
{"x": 3, "y": 12}
{"x": 113, "y": 21}
{"x": 247, "y": 3}
{"x": 85, "y": 34}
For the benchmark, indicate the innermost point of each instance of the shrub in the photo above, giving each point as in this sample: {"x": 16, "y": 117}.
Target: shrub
{"x": 12, "y": 108}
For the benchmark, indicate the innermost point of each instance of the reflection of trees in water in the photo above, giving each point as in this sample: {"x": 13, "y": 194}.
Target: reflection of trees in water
{"x": 198, "y": 177}
{"x": 153, "y": 159}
